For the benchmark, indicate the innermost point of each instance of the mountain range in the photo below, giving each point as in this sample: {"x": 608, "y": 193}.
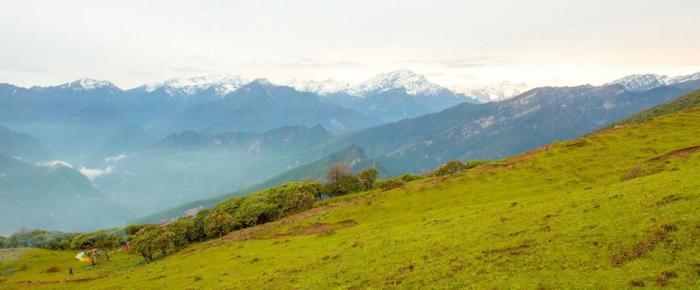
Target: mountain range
{"x": 164, "y": 144}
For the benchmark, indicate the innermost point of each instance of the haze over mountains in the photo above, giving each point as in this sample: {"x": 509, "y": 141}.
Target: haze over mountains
{"x": 159, "y": 145}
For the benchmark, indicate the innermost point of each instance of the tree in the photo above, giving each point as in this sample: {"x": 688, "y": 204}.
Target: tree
{"x": 335, "y": 175}
{"x": 367, "y": 177}
{"x": 336, "y": 171}
{"x": 143, "y": 242}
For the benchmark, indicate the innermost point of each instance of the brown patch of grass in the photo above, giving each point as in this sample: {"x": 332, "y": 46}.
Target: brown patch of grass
{"x": 640, "y": 248}
{"x": 665, "y": 276}
{"x": 321, "y": 229}
{"x": 53, "y": 269}
{"x": 670, "y": 199}
{"x": 637, "y": 283}
{"x": 510, "y": 251}
{"x": 267, "y": 230}
{"x": 680, "y": 153}
{"x": 633, "y": 172}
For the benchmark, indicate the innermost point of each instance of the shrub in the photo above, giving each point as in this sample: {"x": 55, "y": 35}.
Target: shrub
{"x": 368, "y": 177}
{"x": 38, "y": 239}
{"x": 131, "y": 230}
{"x": 198, "y": 233}
{"x": 98, "y": 239}
{"x": 390, "y": 184}
{"x": 218, "y": 224}
{"x": 448, "y": 168}
{"x": 408, "y": 177}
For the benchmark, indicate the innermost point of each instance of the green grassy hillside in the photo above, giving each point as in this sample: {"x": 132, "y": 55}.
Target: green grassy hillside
{"x": 612, "y": 210}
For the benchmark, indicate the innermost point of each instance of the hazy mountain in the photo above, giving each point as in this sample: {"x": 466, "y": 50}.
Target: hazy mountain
{"x": 353, "y": 155}
{"x": 21, "y": 145}
{"x": 52, "y": 195}
{"x": 261, "y": 105}
{"x": 191, "y": 165}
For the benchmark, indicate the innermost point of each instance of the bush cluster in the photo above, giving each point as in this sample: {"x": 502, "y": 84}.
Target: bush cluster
{"x": 153, "y": 241}
{"x": 455, "y": 166}
{"x": 54, "y": 240}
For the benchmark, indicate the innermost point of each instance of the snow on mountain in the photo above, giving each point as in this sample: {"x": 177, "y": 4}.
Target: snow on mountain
{"x": 645, "y": 82}
{"x": 685, "y": 78}
{"x": 641, "y": 82}
{"x": 221, "y": 83}
{"x": 323, "y": 88}
{"x": 84, "y": 84}
{"x": 413, "y": 83}
{"x": 495, "y": 92}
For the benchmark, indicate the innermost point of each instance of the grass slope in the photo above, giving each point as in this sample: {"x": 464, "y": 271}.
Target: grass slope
{"x": 612, "y": 210}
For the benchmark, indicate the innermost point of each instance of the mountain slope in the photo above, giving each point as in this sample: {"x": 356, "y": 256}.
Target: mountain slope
{"x": 51, "y": 196}
{"x": 688, "y": 101}
{"x": 495, "y": 130}
{"x": 21, "y": 145}
{"x": 611, "y": 210}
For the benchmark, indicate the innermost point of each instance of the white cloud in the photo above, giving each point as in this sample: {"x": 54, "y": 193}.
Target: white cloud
{"x": 116, "y": 158}
{"x": 56, "y": 164}
{"x": 92, "y": 173}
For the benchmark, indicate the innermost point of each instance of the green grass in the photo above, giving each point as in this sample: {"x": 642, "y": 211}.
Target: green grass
{"x": 568, "y": 216}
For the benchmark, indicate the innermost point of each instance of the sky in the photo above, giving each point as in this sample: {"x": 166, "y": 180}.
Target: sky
{"x": 453, "y": 43}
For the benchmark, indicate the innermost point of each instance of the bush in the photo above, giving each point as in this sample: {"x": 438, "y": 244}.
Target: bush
{"x": 131, "y": 230}
{"x": 218, "y": 224}
{"x": 449, "y": 168}
{"x": 368, "y": 177}
{"x": 389, "y": 184}
{"x": 38, "y": 239}
{"x": 408, "y": 177}
{"x": 198, "y": 233}
{"x": 98, "y": 239}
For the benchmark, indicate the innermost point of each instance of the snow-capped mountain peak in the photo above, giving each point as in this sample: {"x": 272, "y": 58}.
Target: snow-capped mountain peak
{"x": 641, "y": 82}
{"x": 413, "y": 83}
{"x": 494, "y": 92}
{"x": 322, "y": 88}
{"x": 86, "y": 84}
{"x": 221, "y": 83}
{"x": 685, "y": 78}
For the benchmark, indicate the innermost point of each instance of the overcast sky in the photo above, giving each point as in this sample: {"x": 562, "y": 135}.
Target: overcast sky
{"x": 455, "y": 43}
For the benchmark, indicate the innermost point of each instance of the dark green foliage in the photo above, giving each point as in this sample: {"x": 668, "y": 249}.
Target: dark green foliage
{"x": 450, "y": 167}
{"x": 99, "y": 239}
{"x": 408, "y": 177}
{"x": 198, "y": 233}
